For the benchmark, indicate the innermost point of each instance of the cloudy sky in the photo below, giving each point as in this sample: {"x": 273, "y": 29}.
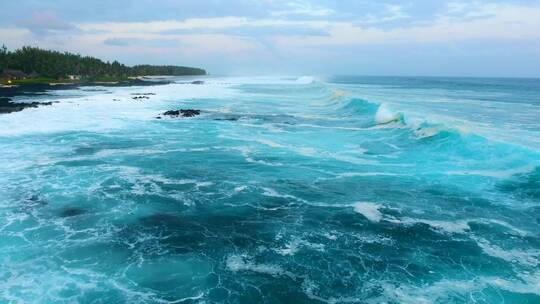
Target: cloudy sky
{"x": 392, "y": 37}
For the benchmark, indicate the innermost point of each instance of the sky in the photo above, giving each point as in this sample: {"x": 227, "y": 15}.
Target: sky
{"x": 347, "y": 37}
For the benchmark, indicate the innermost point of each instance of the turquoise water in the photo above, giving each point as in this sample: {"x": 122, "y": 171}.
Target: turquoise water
{"x": 284, "y": 190}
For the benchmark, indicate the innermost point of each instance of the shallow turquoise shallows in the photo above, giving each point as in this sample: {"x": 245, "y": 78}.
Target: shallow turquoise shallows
{"x": 283, "y": 190}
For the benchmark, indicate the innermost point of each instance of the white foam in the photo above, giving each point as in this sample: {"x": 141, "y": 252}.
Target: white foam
{"x": 355, "y": 174}
{"x": 369, "y": 210}
{"x": 240, "y": 189}
{"x": 350, "y": 159}
{"x": 372, "y": 212}
{"x": 438, "y": 292}
{"x": 502, "y": 174}
{"x": 427, "y": 294}
{"x": 102, "y": 111}
{"x": 384, "y": 115}
{"x": 203, "y": 184}
{"x": 426, "y": 132}
{"x": 270, "y": 143}
{"x": 489, "y": 119}
{"x": 245, "y": 151}
{"x": 331, "y": 127}
{"x": 458, "y": 226}
{"x": 305, "y": 80}
{"x": 513, "y": 230}
{"x": 292, "y": 247}
{"x": 524, "y": 257}
{"x": 243, "y": 262}
{"x": 307, "y": 151}
{"x": 529, "y": 283}
{"x": 273, "y": 193}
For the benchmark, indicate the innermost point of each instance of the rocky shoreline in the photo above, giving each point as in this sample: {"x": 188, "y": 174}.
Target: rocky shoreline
{"x": 6, "y": 106}
{"x": 8, "y": 92}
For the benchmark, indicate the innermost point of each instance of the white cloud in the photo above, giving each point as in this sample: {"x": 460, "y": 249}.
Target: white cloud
{"x": 391, "y": 13}
{"x": 45, "y": 22}
{"x": 457, "y": 7}
{"x": 218, "y": 23}
{"x": 463, "y": 21}
{"x": 499, "y": 22}
{"x": 303, "y": 8}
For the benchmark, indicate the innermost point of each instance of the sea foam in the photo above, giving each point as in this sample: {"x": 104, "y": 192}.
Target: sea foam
{"x": 369, "y": 210}
{"x": 305, "y": 80}
{"x": 384, "y": 115}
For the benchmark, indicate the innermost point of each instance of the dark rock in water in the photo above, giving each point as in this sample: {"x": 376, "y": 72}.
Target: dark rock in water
{"x": 140, "y": 97}
{"x": 72, "y": 211}
{"x": 172, "y": 113}
{"x": 182, "y": 112}
{"x": 6, "y": 106}
{"x": 197, "y": 82}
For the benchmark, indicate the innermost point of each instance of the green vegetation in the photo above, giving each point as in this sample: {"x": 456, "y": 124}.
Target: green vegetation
{"x": 29, "y": 65}
{"x": 40, "y": 80}
{"x": 154, "y": 70}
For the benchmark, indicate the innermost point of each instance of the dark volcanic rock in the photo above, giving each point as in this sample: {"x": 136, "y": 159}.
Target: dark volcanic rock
{"x": 172, "y": 113}
{"x": 6, "y": 106}
{"x": 182, "y": 112}
{"x": 197, "y": 82}
{"x": 140, "y": 97}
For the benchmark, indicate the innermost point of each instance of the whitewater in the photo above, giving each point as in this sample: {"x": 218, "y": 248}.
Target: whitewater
{"x": 283, "y": 190}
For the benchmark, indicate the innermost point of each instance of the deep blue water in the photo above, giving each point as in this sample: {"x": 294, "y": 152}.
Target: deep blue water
{"x": 284, "y": 190}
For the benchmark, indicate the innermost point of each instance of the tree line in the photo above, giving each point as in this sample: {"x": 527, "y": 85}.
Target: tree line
{"x": 53, "y": 64}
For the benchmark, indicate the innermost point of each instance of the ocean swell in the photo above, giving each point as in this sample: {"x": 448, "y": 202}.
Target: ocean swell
{"x": 281, "y": 190}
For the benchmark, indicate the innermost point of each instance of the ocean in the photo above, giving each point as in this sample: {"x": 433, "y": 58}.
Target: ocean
{"x": 283, "y": 190}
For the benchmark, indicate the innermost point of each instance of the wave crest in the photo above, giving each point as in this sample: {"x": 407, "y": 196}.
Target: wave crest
{"x": 305, "y": 80}
{"x": 385, "y": 116}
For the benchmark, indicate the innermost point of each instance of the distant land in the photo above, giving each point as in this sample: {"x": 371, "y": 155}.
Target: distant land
{"x": 33, "y": 65}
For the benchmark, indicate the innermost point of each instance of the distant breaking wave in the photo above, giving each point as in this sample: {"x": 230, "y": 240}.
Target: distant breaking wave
{"x": 382, "y": 115}
{"x": 305, "y": 80}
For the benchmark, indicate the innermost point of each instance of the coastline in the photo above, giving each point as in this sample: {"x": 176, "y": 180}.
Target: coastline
{"x": 7, "y": 92}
